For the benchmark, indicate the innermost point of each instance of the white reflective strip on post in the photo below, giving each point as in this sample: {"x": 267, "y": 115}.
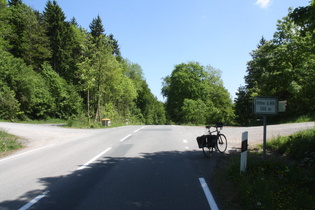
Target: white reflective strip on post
{"x": 244, "y": 151}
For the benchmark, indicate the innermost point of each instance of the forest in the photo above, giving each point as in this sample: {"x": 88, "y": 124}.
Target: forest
{"x": 283, "y": 67}
{"x": 51, "y": 68}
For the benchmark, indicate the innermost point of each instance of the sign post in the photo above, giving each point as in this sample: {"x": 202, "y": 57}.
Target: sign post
{"x": 244, "y": 151}
{"x": 265, "y": 106}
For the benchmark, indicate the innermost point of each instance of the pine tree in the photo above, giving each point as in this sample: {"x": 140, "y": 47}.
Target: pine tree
{"x": 56, "y": 30}
{"x": 96, "y": 27}
{"x": 14, "y": 2}
{"x": 115, "y": 47}
{"x": 28, "y": 38}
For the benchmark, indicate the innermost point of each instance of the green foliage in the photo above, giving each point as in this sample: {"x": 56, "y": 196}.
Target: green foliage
{"x": 5, "y": 27}
{"x": 9, "y": 106}
{"x": 52, "y": 68}
{"x": 282, "y": 67}
{"x": 187, "y": 86}
{"x": 278, "y": 182}
{"x": 297, "y": 146}
{"x": 33, "y": 96}
{"x": 97, "y": 28}
{"x": 8, "y": 142}
{"x": 28, "y": 38}
{"x": 194, "y": 112}
{"x": 62, "y": 41}
{"x": 67, "y": 101}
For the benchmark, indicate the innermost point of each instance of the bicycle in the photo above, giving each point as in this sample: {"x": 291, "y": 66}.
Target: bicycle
{"x": 211, "y": 142}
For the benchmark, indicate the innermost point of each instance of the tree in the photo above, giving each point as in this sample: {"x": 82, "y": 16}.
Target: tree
{"x": 61, "y": 38}
{"x": 5, "y": 27}
{"x": 50, "y": 67}
{"x": 96, "y": 27}
{"x": 304, "y": 17}
{"x": 195, "y": 82}
{"x": 28, "y": 39}
{"x": 147, "y": 109}
{"x": 243, "y": 104}
{"x": 115, "y": 47}
{"x": 28, "y": 88}
{"x": 194, "y": 111}
{"x": 15, "y": 2}
{"x": 68, "y": 103}
{"x": 282, "y": 67}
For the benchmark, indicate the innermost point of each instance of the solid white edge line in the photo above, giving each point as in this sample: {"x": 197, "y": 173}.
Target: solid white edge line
{"x": 208, "y": 194}
{"x": 26, "y": 152}
{"x": 35, "y": 200}
{"x": 93, "y": 159}
{"x": 125, "y": 137}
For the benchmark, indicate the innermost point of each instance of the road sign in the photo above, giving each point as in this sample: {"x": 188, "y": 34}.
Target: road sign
{"x": 265, "y": 106}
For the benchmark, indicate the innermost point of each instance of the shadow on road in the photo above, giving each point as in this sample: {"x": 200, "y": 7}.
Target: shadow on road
{"x": 162, "y": 180}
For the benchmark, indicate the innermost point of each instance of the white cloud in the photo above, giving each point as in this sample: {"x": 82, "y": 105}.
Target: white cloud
{"x": 263, "y": 3}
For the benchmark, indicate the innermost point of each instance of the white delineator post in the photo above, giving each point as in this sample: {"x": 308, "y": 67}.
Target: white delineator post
{"x": 244, "y": 151}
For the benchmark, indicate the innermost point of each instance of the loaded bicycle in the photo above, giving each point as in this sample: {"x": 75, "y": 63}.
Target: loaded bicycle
{"x": 213, "y": 140}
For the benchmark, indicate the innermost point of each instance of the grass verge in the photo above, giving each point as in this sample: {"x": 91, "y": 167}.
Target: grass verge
{"x": 285, "y": 180}
{"x": 8, "y": 143}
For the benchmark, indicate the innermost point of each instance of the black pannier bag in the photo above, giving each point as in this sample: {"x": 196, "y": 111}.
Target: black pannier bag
{"x": 201, "y": 140}
{"x": 207, "y": 141}
{"x": 211, "y": 140}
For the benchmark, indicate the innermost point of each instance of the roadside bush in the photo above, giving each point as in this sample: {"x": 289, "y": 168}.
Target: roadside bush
{"x": 285, "y": 180}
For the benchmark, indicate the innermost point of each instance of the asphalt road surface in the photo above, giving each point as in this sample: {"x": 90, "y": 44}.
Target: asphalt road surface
{"x": 131, "y": 167}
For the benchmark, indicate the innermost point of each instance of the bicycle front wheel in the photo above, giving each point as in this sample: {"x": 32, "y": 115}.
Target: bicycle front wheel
{"x": 207, "y": 151}
{"x": 221, "y": 143}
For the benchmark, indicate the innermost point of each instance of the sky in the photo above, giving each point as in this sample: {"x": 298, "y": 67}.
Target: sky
{"x": 159, "y": 34}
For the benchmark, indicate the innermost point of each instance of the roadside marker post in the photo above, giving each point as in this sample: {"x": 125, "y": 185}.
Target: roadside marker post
{"x": 265, "y": 106}
{"x": 244, "y": 151}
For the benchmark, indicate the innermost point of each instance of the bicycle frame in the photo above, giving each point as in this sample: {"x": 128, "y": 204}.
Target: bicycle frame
{"x": 216, "y": 129}
{"x": 220, "y": 141}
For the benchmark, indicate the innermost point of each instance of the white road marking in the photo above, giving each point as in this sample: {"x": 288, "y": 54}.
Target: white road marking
{"x": 138, "y": 129}
{"x": 208, "y": 194}
{"x": 123, "y": 139}
{"x": 35, "y": 200}
{"x": 26, "y": 152}
{"x": 93, "y": 159}
{"x": 185, "y": 141}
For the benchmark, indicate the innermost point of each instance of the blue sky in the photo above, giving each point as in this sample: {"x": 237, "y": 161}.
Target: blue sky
{"x": 159, "y": 34}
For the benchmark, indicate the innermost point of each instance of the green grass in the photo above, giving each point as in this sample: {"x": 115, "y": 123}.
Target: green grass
{"x": 285, "y": 180}
{"x": 8, "y": 143}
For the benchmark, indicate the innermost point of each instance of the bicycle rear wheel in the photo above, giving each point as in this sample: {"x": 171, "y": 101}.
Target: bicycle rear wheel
{"x": 207, "y": 151}
{"x": 221, "y": 143}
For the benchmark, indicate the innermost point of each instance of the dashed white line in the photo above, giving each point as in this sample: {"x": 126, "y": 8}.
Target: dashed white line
{"x": 93, "y": 159}
{"x": 35, "y": 200}
{"x": 208, "y": 194}
{"x": 123, "y": 139}
{"x": 138, "y": 129}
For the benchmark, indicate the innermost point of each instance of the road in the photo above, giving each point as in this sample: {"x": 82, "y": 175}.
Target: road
{"x": 131, "y": 167}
